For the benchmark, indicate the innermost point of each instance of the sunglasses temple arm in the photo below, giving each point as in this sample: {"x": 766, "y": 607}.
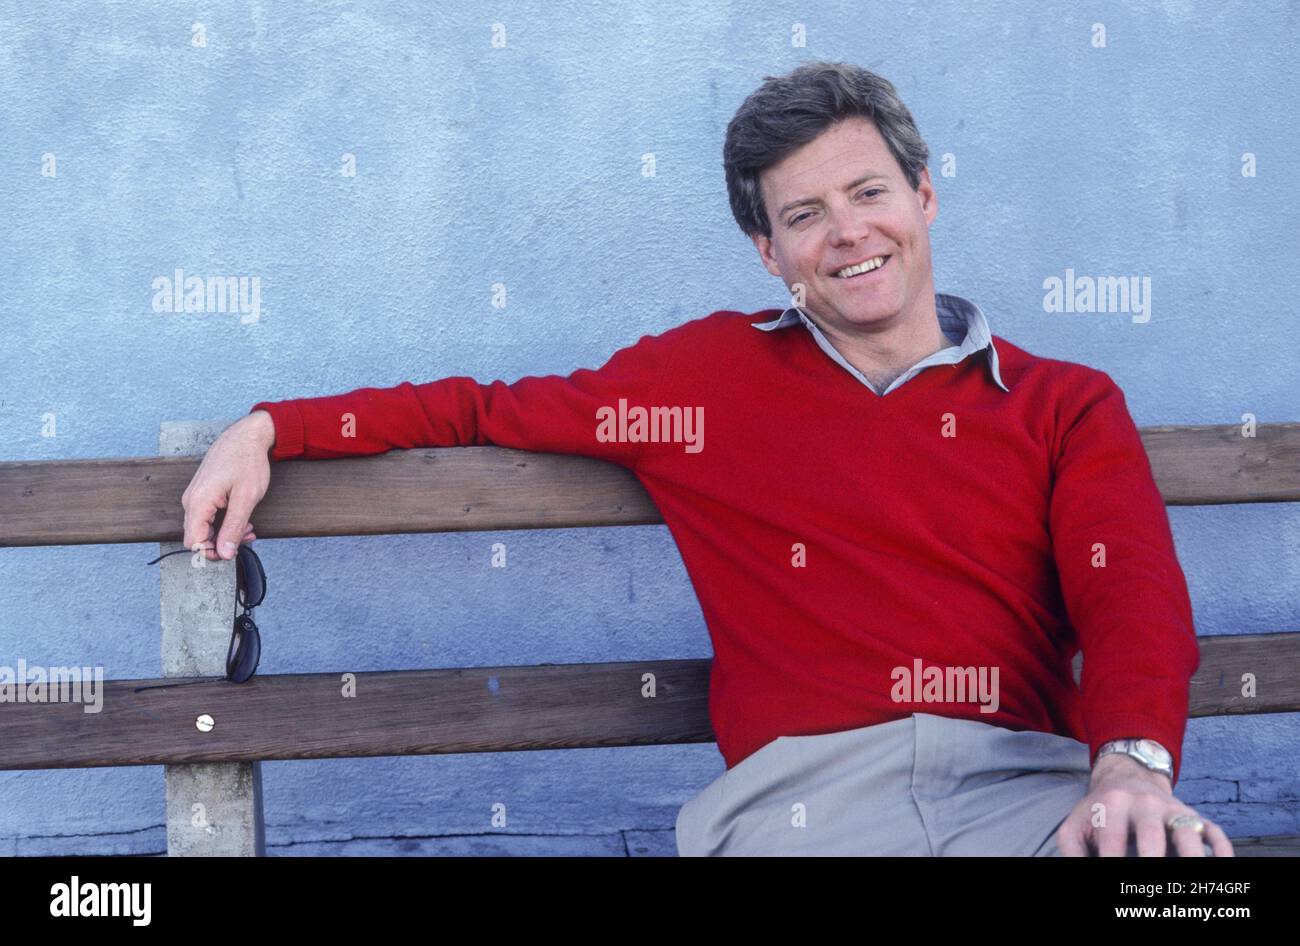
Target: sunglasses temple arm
{"x": 177, "y": 552}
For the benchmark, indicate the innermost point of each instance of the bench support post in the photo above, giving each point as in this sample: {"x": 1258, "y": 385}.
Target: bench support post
{"x": 213, "y": 809}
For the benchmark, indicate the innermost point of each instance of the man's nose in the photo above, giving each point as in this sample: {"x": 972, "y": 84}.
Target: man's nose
{"x": 848, "y": 225}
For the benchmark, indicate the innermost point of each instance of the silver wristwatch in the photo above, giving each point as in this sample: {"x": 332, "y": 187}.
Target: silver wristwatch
{"x": 1147, "y": 751}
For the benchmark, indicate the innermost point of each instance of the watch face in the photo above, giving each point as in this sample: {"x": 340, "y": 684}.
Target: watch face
{"x": 1155, "y": 751}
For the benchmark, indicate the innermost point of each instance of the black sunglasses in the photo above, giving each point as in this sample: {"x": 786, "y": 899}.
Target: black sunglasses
{"x": 250, "y": 588}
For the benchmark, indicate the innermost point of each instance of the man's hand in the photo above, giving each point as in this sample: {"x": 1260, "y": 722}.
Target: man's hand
{"x": 1133, "y": 796}
{"x": 234, "y": 475}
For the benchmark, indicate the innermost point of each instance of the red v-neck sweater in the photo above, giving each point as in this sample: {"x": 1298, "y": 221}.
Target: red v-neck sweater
{"x": 834, "y": 537}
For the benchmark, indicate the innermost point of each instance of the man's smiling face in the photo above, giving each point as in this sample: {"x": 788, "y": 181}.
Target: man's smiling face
{"x": 843, "y": 199}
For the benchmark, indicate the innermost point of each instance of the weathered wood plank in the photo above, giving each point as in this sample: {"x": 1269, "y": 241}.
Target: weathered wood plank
{"x": 1273, "y": 660}
{"x": 413, "y": 712}
{"x": 1279, "y": 845}
{"x": 137, "y": 499}
{"x": 452, "y": 489}
{"x": 481, "y": 709}
{"x": 1212, "y": 464}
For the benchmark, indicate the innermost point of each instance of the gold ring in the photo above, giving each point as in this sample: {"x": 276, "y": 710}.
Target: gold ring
{"x": 1186, "y": 821}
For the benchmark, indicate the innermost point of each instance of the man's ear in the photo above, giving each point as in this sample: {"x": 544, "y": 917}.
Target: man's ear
{"x": 928, "y": 196}
{"x": 764, "y": 246}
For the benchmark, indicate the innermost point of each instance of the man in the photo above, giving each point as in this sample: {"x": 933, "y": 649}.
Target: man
{"x": 900, "y": 533}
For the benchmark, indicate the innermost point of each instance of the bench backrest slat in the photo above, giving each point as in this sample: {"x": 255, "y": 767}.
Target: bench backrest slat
{"x": 455, "y": 489}
{"x": 479, "y": 709}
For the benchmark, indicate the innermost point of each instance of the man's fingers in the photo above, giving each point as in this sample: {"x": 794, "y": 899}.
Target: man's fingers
{"x": 1070, "y": 840}
{"x": 1190, "y": 842}
{"x": 198, "y": 527}
{"x": 1146, "y": 818}
{"x": 235, "y": 525}
{"x": 197, "y": 520}
{"x": 230, "y": 538}
{"x": 1151, "y": 836}
{"x": 1112, "y": 840}
{"x": 1187, "y": 841}
{"x": 1220, "y": 843}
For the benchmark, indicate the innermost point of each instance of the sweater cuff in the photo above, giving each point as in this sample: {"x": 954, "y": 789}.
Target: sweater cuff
{"x": 288, "y": 428}
{"x": 1138, "y": 727}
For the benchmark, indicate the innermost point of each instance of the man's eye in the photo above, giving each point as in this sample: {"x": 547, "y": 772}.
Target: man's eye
{"x": 869, "y": 190}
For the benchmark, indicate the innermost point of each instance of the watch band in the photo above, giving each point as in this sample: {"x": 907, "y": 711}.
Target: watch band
{"x": 1147, "y": 751}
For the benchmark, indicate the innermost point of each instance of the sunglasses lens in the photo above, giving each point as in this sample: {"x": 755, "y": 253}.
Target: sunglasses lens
{"x": 250, "y": 579}
{"x": 245, "y": 650}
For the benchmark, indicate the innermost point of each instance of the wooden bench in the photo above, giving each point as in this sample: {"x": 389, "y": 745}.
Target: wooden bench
{"x": 408, "y": 712}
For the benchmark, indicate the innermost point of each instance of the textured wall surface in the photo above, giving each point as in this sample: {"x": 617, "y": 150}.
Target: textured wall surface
{"x": 134, "y": 143}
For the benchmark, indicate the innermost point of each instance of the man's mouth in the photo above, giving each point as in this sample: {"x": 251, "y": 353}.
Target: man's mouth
{"x": 863, "y": 269}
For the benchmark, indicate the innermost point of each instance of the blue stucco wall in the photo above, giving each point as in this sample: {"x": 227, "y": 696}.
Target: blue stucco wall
{"x": 522, "y": 165}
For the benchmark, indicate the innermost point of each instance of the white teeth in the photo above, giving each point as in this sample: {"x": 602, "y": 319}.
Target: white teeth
{"x": 866, "y": 267}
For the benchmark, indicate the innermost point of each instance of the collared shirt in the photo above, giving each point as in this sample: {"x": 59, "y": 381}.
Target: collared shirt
{"x": 960, "y": 320}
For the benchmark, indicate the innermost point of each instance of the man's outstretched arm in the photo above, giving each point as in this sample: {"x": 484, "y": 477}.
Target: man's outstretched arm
{"x": 551, "y": 413}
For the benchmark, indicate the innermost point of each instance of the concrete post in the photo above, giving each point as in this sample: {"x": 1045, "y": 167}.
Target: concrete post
{"x": 213, "y": 809}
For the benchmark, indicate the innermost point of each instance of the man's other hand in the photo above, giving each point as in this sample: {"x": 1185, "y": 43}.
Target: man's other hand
{"x": 1134, "y": 801}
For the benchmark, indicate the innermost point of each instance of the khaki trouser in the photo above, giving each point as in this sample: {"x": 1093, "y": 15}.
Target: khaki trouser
{"x": 923, "y": 785}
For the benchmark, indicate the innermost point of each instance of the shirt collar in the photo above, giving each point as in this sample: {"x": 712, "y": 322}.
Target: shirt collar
{"x": 961, "y": 320}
